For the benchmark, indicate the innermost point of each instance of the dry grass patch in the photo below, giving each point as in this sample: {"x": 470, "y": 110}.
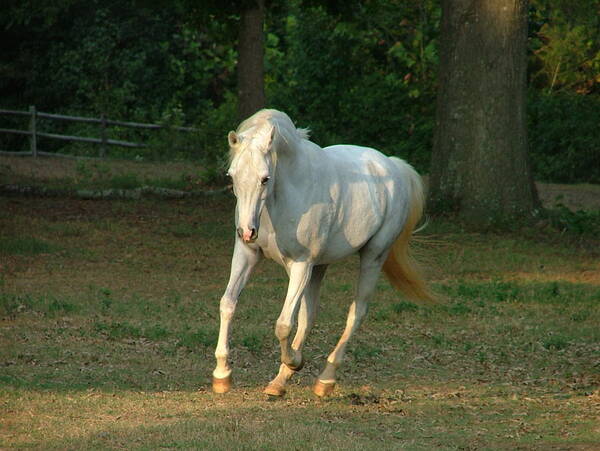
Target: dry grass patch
{"x": 415, "y": 417}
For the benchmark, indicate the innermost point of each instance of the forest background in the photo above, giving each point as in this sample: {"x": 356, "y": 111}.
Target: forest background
{"x": 353, "y": 72}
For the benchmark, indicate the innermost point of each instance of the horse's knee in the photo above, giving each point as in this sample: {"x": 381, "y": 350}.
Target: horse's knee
{"x": 282, "y": 330}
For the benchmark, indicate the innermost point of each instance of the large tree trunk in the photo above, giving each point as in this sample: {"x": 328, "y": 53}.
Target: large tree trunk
{"x": 250, "y": 67}
{"x": 479, "y": 166}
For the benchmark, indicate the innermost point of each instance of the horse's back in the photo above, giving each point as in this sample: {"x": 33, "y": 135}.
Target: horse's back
{"x": 355, "y": 163}
{"x": 351, "y": 155}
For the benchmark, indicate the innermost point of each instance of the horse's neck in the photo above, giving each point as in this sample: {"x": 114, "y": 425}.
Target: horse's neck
{"x": 296, "y": 170}
{"x": 295, "y": 165}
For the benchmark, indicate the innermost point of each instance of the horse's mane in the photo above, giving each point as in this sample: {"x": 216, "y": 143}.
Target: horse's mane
{"x": 286, "y": 133}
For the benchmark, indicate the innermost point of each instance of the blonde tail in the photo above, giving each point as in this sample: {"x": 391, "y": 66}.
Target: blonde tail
{"x": 400, "y": 268}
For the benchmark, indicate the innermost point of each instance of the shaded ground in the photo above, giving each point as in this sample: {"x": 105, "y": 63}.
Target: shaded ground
{"x": 49, "y": 169}
{"x": 184, "y": 175}
{"x": 68, "y": 174}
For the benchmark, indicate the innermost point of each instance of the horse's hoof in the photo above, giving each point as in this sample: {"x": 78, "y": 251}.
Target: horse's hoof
{"x": 274, "y": 390}
{"x": 221, "y": 385}
{"x": 297, "y": 367}
{"x": 322, "y": 389}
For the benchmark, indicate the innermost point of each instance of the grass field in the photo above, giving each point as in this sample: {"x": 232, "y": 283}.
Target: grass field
{"x": 109, "y": 313}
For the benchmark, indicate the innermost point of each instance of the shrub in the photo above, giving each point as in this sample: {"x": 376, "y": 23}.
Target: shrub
{"x": 564, "y": 137}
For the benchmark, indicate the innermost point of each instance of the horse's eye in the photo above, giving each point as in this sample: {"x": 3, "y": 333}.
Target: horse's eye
{"x": 227, "y": 174}
{"x": 264, "y": 180}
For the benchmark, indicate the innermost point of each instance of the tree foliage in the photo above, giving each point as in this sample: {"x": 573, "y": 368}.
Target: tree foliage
{"x": 369, "y": 80}
{"x": 359, "y": 71}
{"x": 565, "y": 49}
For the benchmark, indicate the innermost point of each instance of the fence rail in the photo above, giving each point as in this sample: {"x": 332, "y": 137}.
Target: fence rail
{"x": 103, "y": 141}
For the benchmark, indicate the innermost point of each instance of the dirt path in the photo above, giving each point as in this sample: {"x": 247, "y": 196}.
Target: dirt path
{"x": 576, "y": 197}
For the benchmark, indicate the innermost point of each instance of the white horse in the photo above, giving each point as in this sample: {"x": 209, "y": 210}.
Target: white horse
{"x": 306, "y": 207}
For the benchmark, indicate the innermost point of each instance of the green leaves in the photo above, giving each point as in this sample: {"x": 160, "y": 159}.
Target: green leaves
{"x": 565, "y": 46}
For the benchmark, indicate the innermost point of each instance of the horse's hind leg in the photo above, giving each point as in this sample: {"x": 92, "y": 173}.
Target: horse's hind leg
{"x": 306, "y": 318}
{"x": 308, "y": 309}
{"x": 370, "y": 267}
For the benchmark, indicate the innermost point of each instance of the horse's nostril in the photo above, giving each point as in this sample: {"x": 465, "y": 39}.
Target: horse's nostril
{"x": 254, "y": 234}
{"x": 240, "y": 232}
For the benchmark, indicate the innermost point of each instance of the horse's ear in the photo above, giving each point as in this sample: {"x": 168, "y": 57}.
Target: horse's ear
{"x": 233, "y": 139}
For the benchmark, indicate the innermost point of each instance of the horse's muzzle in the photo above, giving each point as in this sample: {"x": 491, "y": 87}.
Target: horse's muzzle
{"x": 247, "y": 235}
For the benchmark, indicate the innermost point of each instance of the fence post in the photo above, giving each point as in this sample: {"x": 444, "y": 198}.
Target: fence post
{"x": 33, "y": 131}
{"x": 103, "y": 136}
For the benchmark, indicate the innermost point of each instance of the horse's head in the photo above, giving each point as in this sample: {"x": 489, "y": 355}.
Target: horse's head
{"x": 252, "y": 172}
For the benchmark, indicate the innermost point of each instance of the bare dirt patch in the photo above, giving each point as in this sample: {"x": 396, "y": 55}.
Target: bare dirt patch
{"x": 575, "y": 197}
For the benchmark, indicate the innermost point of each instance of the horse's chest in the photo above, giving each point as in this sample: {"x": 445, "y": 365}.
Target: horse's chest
{"x": 269, "y": 248}
{"x": 295, "y": 237}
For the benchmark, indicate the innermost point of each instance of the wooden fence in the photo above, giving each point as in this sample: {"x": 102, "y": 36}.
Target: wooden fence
{"x": 33, "y": 132}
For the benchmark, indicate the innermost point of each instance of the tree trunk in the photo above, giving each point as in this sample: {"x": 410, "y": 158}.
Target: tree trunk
{"x": 479, "y": 166}
{"x": 250, "y": 67}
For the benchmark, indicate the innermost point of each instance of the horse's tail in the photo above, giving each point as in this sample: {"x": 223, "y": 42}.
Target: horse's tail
{"x": 400, "y": 268}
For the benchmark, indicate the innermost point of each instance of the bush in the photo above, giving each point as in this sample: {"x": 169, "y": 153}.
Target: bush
{"x": 564, "y": 137}
{"x": 354, "y": 83}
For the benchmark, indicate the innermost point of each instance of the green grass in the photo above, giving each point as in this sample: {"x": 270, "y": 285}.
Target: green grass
{"x": 102, "y": 175}
{"x": 11, "y": 304}
{"x": 26, "y": 246}
{"x": 112, "y": 346}
{"x": 69, "y": 175}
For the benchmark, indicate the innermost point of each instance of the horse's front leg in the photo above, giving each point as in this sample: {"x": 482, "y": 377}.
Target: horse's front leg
{"x": 300, "y": 273}
{"x": 243, "y": 261}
